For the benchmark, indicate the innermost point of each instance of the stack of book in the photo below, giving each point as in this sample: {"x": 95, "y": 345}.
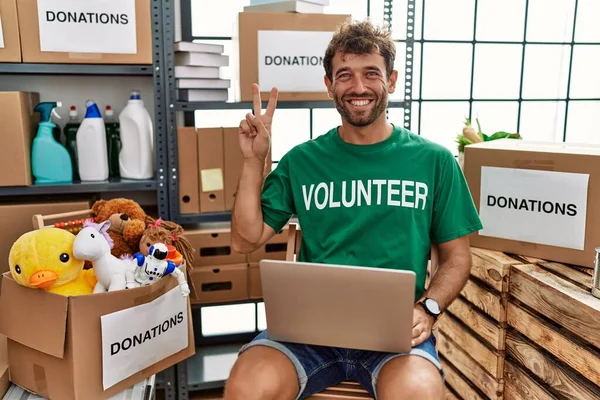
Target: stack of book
{"x": 295, "y": 6}
{"x": 197, "y": 71}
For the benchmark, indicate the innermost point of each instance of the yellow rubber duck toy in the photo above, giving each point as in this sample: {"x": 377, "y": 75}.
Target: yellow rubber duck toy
{"x": 43, "y": 259}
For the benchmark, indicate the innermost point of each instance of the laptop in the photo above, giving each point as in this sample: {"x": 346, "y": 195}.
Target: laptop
{"x": 341, "y": 306}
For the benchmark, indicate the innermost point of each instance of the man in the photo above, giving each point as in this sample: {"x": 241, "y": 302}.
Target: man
{"x": 366, "y": 193}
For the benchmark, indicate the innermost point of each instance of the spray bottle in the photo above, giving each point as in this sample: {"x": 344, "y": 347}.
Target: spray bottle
{"x": 50, "y": 161}
{"x": 57, "y": 132}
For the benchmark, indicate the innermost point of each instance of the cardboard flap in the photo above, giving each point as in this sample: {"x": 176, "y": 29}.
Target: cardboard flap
{"x": 538, "y": 147}
{"x": 23, "y": 311}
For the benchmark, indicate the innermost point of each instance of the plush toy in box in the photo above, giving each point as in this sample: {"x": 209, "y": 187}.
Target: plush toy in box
{"x": 43, "y": 259}
{"x": 171, "y": 234}
{"x": 128, "y": 221}
{"x": 94, "y": 244}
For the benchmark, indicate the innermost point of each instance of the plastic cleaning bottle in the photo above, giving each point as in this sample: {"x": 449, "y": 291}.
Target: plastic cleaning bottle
{"x": 56, "y": 131}
{"x": 50, "y": 161}
{"x": 92, "y": 154}
{"x": 113, "y": 142}
{"x": 70, "y": 133}
{"x": 136, "y": 159}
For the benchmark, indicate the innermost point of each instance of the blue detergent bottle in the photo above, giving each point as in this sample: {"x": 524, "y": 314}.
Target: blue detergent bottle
{"x": 50, "y": 160}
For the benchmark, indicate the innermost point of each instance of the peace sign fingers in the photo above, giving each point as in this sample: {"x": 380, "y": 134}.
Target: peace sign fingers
{"x": 272, "y": 102}
{"x": 256, "y": 101}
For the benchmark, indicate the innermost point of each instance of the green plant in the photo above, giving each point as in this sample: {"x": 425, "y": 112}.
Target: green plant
{"x": 469, "y": 135}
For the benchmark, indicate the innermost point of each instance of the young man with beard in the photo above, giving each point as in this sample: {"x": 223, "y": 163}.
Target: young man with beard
{"x": 366, "y": 193}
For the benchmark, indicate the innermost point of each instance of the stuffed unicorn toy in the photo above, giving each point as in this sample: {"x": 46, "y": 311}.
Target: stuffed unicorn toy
{"x": 93, "y": 243}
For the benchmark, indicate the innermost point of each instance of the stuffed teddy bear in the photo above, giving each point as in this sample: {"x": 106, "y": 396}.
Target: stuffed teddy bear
{"x": 169, "y": 233}
{"x": 128, "y": 222}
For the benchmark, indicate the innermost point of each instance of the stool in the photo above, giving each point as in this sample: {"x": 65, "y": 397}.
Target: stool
{"x": 347, "y": 390}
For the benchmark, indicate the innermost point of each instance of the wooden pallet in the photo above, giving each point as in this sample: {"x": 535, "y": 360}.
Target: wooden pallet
{"x": 472, "y": 333}
{"x": 553, "y": 344}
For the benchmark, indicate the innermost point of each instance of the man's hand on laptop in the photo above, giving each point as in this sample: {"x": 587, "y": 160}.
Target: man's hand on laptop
{"x": 422, "y": 324}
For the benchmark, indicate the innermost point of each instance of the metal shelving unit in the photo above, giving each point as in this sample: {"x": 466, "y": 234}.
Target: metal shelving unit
{"x": 112, "y": 185}
{"x": 166, "y": 380}
{"x": 197, "y": 373}
{"x": 215, "y": 355}
{"x": 75, "y": 69}
{"x": 203, "y": 218}
{"x": 154, "y": 71}
{"x": 159, "y": 185}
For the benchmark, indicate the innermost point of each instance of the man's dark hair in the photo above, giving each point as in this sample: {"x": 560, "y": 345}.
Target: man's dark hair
{"x": 360, "y": 37}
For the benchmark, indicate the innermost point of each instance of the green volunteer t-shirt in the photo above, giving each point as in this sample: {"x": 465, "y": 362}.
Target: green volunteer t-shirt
{"x": 379, "y": 205}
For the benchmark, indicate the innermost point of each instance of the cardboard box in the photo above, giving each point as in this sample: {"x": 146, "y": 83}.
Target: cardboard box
{"x": 17, "y": 130}
{"x": 11, "y": 51}
{"x": 187, "y": 144}
{"x": 254, "y": 283}
{"x": 212, "y": 246}
{"x": 221, "y": 283}
{"x": 30, "y": 34}
{"x": 234, "y": 162}
{"x": 274, "y": 249}
{"x": 210, "y": 165}
{"x": 62, "y": 347}
{"x": 285, "y": 50}
{"x": 4, "y": 381}
{"x": 211, "y": 185}
{"x": 17, "y": 220}
{"x": 536, "y": 199}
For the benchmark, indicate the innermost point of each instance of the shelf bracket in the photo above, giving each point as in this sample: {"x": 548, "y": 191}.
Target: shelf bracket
{"x": 409, "y": 63}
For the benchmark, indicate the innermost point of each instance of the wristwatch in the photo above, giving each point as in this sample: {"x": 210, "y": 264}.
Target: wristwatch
{"x": 431, "y": 307}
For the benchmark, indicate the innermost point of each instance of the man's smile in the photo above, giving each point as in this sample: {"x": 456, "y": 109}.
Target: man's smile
{"x": 359, "y": 103}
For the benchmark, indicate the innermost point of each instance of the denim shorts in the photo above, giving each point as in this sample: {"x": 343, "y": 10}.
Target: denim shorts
{"x": 319, "y": 367}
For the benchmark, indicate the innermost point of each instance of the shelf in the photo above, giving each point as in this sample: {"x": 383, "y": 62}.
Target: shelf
{"x": 203, "y": 218}
{"x": 75, "y": 69}
{"x": 209, "y": 368}
{"x": 211, "y": 218}
{"x": 143, "y": 390}
{"x": 200, "y": 305}
{"x": 218, "y": 105}
{"x": 113, "y": 185}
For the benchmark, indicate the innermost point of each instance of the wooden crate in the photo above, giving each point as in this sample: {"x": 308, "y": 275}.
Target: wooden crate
{"x": 553, "y": 344}
{"x": 472, "y": 333}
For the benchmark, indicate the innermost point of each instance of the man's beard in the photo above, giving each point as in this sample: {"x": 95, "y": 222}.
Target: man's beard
{"x": 363, "y": 118}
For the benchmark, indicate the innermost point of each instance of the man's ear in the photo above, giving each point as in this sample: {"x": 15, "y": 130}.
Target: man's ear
{"x": 392, "y": 82}
{"x": 329, "y": 86}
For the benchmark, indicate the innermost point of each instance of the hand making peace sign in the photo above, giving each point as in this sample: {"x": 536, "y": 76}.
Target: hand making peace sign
{"x": 255, "y": 130}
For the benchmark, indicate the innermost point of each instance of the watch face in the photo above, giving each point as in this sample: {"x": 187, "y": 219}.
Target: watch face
{"x": 432, "y": 305}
